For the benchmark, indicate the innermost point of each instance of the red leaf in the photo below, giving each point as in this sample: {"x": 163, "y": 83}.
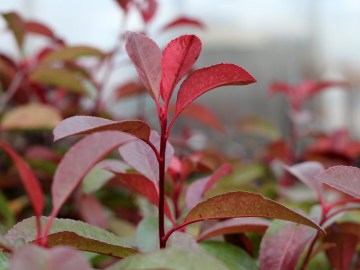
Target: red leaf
{"x": 342, "y": 178}
{"x": 235, "y": 225}
{"x": 305, "y": 172}
{"x": 89, "y": 124}
{"x": 146, "y": 56}
{"x": 205, "y": 79}
{"x": 92, "y": 211}
{"x": 29, "y": 180}
{"x": 199, "y": 188}
{"x": 33, "y": 257}
{"x": 143, "y": 159}
{"x": 244, "y": 204}
{"x": 141, "y": 185}
{"x": 204, "y": 115}
{"x": 78, "y": 161}
{"x": 283, "y": 245}
{"x": 184, "y": 21}
{"x": 39, "y": 28}
{"x": 129, "y": 89}
{"x": 177, "y": 59}
{"x": 148, "y": 9}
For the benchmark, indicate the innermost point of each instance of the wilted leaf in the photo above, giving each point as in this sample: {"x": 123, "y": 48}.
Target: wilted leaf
{"x": 146, "y": 56}
{"x": 89, "y": 124}
{"x": 235, "y": 225}
{"x": 205, "y": 79}
{"x": 174, "y": 259}
{"x": 29, "y": 180}
{"x": 73, "y": 233}
{"x": 184, "y": 21}
{"x": 73, "y": 167}
{"x": 244, "y": 204}
{"x": 33, "y": 257}
{"x": 199, "y": 188}
{"x": 283, "y": 244}
{"x": 16, "y": 24}
{"x": 177, "y": 59}
{"x": 143, "y": 159}
{"x": 71, "y": 53}
{"x": 233, "y": 257}
{"x": 31, "y": 116}
{"x": 343, "y": 178}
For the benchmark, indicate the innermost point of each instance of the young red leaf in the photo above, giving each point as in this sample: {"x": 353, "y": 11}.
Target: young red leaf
{"x": 147, "y": 8}
{"x": 141, "y": 185}
{"x": 78, "y": 161}
{"x": 283, "y": 245}
{"x": 305, "y": 172}
{"x": 146, "y": 56}
{"x": 89, "y": 124}
{"x": 342, "y": 178}
{"x": 177, "y": 59}
{"x": 184, "y": 21}
{"x": 235, "y": 225}
{"x": 39, "y": 28}
{"x": 245, "y": 204}
{"x": 143, "y": 159}
{"x": 199, "y": 188}
{"x": 33, "y": 257}
{"x": 29, "y": 180}
{"x": 205, "y": 79}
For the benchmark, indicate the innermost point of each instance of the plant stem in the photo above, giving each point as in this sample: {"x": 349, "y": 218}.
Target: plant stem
{"x": 163, "y": 141}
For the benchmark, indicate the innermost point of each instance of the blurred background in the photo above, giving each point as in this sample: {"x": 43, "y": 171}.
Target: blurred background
{"x": 275, "y": 40}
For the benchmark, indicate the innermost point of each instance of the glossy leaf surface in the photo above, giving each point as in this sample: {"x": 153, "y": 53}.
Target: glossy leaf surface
{"x": 205, "y": 79}
{"x": 89, "y": 124}
{"x": 177, "y": 59}
{"x": 146, "y": 56}
{"x": 245, "y": 204}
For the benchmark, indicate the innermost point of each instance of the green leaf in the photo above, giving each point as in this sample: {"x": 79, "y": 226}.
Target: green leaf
{"x": 95, "y": 179}
{"x": 245, "y": 204}
{"x": 16, "y": 24}
{"x": 73, "y": 233}
{"x": 4, "y": 261}
{"x": 174, "y": 259}
{"x": 72, "y": 53}
{"x": 233, "y": 257}
{"x": 58, "y": 77}
{"x": 5, "y": 211}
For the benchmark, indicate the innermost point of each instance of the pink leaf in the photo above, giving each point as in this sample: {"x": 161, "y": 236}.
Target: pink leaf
{"x": 342, "y": 178}
{"x": 148, "y": 9}
{"x": 141, "y": 185}
{"x": 78, "y": 161}
{"x": 146, "y": 56}
{"x": 184, "y": 21}
{"x": 283, "y": 245}
{"x": 89, "y": 124}
{"x": 143, "y": 159}
{"x": 91, "y": 211}
{"x": 235, "y": 225}
{"x": 31, "y": 257}
{"x": 29, "y": 180}
{"x": 177, "y": 59}
{"x": 199, "y": 188}
{"x": 205, "y": 79}
{"x": 305, "y": 172}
